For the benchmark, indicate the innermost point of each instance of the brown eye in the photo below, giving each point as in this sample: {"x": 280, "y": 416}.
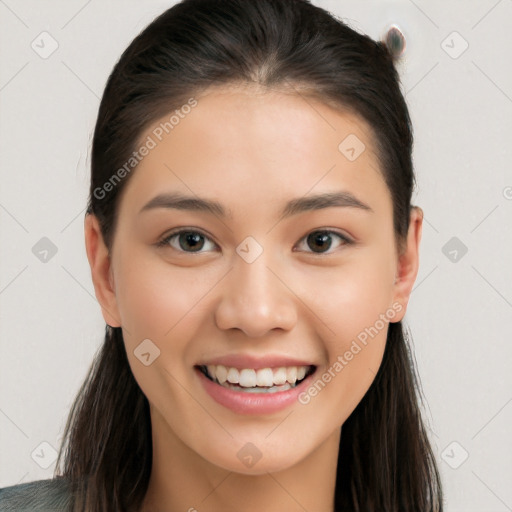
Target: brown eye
{"x": 187, "y": 241}
{"x": 321, "y": 241}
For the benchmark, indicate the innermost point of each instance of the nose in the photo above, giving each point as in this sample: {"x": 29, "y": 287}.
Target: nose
{"x": 256, "y": 299}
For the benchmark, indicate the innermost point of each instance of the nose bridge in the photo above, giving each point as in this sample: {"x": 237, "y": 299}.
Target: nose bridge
{"x": 254, "y": 278}
{"x": 254, "y": 299}
{"x": 251, "y": 267}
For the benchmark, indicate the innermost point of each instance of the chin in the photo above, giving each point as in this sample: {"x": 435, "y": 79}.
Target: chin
{"x": 248, "y": 460}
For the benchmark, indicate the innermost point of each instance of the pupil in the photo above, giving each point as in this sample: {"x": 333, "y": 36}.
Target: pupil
{"x": 190, "y": 238}
{"x": 322, "y": 239}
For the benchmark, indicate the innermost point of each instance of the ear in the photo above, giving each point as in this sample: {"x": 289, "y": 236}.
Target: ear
{"x": 408, "y": 263}
{"x": 101, "y": 271}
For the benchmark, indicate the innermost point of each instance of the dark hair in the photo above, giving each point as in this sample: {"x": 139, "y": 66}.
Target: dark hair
{"x": 386, "y": 463}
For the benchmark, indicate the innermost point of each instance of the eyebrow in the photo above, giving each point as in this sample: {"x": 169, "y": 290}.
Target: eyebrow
{"x": 179, "y": 201}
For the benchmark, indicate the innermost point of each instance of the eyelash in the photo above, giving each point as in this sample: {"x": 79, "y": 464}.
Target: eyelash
{"x": 165, "y": 241}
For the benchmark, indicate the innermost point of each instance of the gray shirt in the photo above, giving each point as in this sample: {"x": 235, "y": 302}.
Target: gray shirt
{"x": 51, "y": 495}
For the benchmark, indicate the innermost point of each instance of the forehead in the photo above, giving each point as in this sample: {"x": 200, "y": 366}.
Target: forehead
{"x": 244, "y": 144}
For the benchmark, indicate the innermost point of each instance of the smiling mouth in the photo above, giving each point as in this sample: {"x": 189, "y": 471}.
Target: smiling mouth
{"x": 247, "y": 384}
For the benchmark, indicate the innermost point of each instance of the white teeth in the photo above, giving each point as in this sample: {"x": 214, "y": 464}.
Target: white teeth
{"x": 256, "y": 389}
{"x": 221, "y": 373}
{"x": 233, "y": 376}
{"x": 247, "y": 378}
{"x": 291, "y": 374}
{"x": 280, "y": 376}
{"x": 263, "y": 377}
{"x": 211, "y": 370}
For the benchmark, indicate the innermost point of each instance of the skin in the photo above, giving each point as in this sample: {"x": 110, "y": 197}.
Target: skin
{"x": 252, "y": 151}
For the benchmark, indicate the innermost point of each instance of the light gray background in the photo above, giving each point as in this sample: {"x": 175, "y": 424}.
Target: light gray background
{"x": 461, "y": 307}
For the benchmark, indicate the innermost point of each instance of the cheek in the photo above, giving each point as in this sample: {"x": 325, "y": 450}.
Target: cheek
{"x": 352, "y": 296}
{"x": 152, "y": 295}
{"x": 160, "y": 303}
{"x": 353, "y": 303}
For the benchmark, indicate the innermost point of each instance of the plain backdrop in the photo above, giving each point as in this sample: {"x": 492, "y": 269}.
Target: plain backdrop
{"x": 457, "y": 77}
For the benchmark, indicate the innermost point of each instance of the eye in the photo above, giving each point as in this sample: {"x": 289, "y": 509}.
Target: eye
{"x": 185, "y": 239}
{"x": 322, "y": 239}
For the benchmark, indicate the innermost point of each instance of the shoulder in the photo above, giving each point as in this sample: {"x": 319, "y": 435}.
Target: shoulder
{"x": 38, "y": 496}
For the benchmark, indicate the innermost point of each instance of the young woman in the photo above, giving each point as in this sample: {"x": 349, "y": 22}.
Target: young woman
{"x": 253, "y": 248}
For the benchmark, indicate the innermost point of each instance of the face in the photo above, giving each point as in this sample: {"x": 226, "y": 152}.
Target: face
{"x": 255, "y": 282}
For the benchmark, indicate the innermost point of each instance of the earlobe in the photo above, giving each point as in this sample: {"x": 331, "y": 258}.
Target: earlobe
{"x": 101, "y": 270}
{"x": 408, "y": 262}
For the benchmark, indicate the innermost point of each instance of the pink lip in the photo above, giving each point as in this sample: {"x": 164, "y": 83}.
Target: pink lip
{"x": 241, "y": 402}
{"x": 242, "y": 361}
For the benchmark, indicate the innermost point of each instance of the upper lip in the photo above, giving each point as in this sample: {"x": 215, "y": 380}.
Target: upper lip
{"x": 241, "y": 361}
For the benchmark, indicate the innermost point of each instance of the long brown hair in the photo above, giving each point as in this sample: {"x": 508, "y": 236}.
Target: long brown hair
{"x": 385, "y": 463}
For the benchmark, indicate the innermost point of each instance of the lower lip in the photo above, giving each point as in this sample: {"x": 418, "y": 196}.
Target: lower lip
{"x": 242, "y": 402}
